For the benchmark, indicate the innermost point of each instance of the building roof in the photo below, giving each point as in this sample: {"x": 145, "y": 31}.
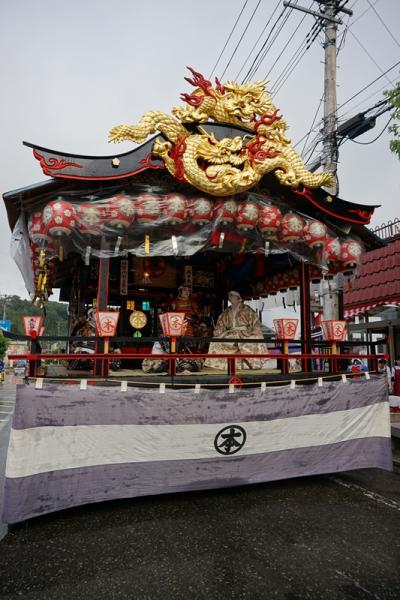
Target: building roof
{"x": 377, "y": 282}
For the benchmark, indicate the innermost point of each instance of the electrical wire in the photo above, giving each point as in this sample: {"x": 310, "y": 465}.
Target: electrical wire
{"x": 254, "y": 67}
{"x": 258, "y": 39}
{"x": 368, "y": 85}
{"x": 384, "y": 24}
{"x": 375, "y": 139}
{"x": 312, "y": 124}
{"x": 227, "y": 41}
{"x": 241, "y": 38}
{"x": 369, "y": 55}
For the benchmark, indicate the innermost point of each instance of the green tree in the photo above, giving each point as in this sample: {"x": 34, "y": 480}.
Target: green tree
{"x": 394, "y": 97}
{"x": 4, "y": 343}
{"x": 14, "y": 308}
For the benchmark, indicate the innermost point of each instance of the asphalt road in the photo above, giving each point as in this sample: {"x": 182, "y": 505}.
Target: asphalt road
{"x": 316, "y": 537}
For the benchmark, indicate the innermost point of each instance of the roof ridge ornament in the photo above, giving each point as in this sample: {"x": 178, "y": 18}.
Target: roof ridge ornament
{"x": 222, "y": 167}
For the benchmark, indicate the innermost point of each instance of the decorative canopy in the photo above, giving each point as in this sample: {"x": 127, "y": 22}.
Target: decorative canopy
{"x": 220, "y": 177}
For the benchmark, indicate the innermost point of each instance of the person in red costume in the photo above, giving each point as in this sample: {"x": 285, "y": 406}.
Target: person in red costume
{"x": 184, "y": 303}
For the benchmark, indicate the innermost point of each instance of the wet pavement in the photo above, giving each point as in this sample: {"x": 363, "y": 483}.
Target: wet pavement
{"x": 316, "y": 537}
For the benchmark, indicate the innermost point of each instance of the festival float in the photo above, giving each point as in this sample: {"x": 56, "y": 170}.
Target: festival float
{"x": 146, "y": 247}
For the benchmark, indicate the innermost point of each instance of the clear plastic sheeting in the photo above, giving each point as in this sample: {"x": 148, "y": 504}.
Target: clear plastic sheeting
{"x": 21, "y": 253}
{"x": 145, "y": 221}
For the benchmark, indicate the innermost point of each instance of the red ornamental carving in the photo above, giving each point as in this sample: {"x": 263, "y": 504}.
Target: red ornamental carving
{"x": 351, "y": 253}
{"x": 332, "y": 250}
{"x": 54, "y": 164}
{"x": 37, "y": 229}
{"x": 334, "y": 330}
{"x": 120, "y": 211}
{"x": 175, "y": 209}
{"x": 106, "y": 322}
{"x": 225, "y": 211}
{"x": 291, "y": 228}
{"x": 286, "y": 328}
{"x": 200, "y": 210}
{"x": 247, "y": 215}
{"x": 173, "y": 323}
{"x": 147, "y": 208}
{"x": 89, "y": 219}
{"x": 269, "y": 219}
{"x": 315, "y": 233}
{"x": 59, "y": 217}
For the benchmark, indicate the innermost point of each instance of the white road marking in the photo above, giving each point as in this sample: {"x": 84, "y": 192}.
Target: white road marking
{"x": 368, "y": 493}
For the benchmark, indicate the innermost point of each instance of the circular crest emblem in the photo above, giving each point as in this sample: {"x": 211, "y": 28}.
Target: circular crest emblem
{"x": 230, "y": 440}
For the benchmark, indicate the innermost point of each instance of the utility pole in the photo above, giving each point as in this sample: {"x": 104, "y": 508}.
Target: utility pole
{"x": 329, "y": 21}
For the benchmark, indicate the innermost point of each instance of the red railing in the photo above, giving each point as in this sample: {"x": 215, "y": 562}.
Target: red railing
{"x": 335, "y": 362}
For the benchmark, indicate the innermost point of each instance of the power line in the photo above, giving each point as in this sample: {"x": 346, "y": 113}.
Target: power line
{"x": 258, "y": 39}
{"x": 369, "y": 85}
{"x": 290, "y": 40}
{"x": 241, "y": 38}
{"x": 254, "y": 67}
{"x": 384, "y": 24}
{"x": 369, "y": 55}
{"x": 375, "y": 139}
{"x": 229, "y": 37}
{"x": 312, "y": 124}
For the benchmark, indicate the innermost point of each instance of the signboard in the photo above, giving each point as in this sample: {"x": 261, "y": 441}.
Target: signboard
{"x": 106, "y": 322}
{"x": 5, "y": 325}
{"x": 32, "y": 325}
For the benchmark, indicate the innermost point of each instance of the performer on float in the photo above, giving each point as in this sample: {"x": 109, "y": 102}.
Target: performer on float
{"x": 184, "y": 303}
{"x": 237, "y": 321}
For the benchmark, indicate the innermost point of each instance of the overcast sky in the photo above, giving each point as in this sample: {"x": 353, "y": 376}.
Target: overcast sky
{"x": 72, "y": 70}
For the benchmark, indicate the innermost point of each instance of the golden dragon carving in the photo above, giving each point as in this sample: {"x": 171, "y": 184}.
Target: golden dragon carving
{"x": 230, "y": 165}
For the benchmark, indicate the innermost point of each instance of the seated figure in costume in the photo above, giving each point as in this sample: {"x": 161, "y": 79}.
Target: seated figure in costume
{"x": 237, "y": 321}
{"x": 184, "y": 303}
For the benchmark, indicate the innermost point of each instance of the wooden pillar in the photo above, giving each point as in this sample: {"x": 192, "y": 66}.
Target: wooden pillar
{"x": 305, "y": 313}
{"x": 101, "y": 367}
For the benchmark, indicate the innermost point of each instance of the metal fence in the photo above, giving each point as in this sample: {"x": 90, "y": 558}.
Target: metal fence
{"x": 388, "y": 230}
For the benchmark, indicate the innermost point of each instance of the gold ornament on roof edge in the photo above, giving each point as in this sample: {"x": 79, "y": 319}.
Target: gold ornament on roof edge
{"x": 230, "y": 165}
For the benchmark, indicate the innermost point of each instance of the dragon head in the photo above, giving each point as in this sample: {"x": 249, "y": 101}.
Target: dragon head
{"x": 243, "y": 102}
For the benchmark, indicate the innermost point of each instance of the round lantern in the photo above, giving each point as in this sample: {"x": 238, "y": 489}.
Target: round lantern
{"x": 247, "y": 215}
{"x": 200, "y": 211}
{"x": 332, "y": 250}
{"x": 315, "y": 233}
{"x": 291, "y": 228}
{"x": 120, "y": 211}
{"x": 225, "y": 211}
{"x": 89, "y": 218}
{"x": 37, "y": 229}
{"x": 351, "y": 253}
{"x": 175, "y": 209}
{"x": 269, "y": 219}
{"x": 147, "y": 208}
{"x": 59, "y": 218}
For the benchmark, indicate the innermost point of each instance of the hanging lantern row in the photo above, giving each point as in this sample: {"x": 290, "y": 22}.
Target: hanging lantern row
{"x": 59, "y": 219}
